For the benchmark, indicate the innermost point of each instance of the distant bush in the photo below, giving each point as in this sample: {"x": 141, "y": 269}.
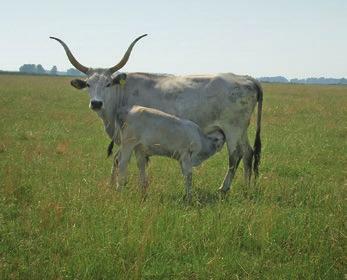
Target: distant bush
{"x": 39, "y": 70}
{"x": 54, "y": 71}
{"x": 277, "y": 79}
{"x": 74, "y": 72}
{"x": 28, "y": 68}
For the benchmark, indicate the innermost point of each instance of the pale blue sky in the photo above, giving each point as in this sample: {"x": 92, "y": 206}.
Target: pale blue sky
{"x": 260, "y": 38}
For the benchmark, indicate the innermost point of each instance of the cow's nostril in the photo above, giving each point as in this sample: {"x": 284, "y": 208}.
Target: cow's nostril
{"x": 95, "y": 105}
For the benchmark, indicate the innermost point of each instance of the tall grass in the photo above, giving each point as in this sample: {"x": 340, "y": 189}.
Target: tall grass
{"x": 59, "y": 218}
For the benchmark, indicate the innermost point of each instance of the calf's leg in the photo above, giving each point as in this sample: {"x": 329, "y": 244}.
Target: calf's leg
{"x": 141, "y": 165}
{"x": 186, "y": 166}
{"x": 124, "y": 157}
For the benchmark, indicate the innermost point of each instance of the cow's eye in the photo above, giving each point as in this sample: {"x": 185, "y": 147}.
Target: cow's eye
{"x": 108, "y": 85}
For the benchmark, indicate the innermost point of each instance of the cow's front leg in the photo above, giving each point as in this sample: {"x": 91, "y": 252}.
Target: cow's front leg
{"x": 114, "y": 170}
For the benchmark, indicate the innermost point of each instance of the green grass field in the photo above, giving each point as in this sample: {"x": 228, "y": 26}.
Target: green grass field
{"x": 59, "y": 218}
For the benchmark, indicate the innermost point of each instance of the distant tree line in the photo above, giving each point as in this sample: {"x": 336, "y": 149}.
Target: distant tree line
{"x": 39, "y": 70}
{"x": 320, "y": 81}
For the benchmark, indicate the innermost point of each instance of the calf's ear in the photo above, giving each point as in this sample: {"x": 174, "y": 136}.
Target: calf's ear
{"x": 78, "y": 83}
{"x": 119, "y": 79}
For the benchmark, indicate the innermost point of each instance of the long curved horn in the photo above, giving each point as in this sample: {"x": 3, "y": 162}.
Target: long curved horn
{"x": 72, "y": 59}
{"x": 126, "y": 56}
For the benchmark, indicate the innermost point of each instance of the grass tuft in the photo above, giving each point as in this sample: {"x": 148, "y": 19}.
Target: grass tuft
{"x": 59, "y": 218}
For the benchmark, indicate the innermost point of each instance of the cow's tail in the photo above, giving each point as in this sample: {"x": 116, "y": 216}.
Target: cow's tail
{"x": 257, "y": 141}
{"x": 110, "y": 148}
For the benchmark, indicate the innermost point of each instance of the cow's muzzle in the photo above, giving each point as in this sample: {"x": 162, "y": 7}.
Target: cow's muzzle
{"x": 95, "y": 105}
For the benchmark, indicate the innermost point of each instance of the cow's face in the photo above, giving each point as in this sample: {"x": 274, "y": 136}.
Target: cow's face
{"x": 100, "y": 85}
{"x": 99, "y": 81}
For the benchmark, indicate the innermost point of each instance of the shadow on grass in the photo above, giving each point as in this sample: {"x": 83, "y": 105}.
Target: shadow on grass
{"x": 201, "y": 198}
{"x": 204, "y": 196}
{"x": 207, "y": 197}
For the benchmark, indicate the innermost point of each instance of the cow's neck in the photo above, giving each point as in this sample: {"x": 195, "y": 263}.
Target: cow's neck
{"x": 108, "y": 120}
{"x": 114, "y": 101}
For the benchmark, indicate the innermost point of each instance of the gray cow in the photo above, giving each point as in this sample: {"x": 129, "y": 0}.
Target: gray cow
{"x": 220, "y": 102}
{"x": 148, "y": 131}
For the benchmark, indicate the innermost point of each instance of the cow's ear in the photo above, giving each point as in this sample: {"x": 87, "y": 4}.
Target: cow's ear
{"x": 119, "y": 79}
{"x": 79, "y": 84}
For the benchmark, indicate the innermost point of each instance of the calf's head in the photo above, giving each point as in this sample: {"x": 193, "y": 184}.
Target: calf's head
{"x": 99, "y": 82}
{"x": 217, "y": 139}
{"x": 214, "y": 142}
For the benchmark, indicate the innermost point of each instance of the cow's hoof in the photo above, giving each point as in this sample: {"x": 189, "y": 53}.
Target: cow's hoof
{"x": 144, "y": 196}
{"x": 222, "y": 193}
{"x": 187, "y": 199}
{"x": 112, "y": 184}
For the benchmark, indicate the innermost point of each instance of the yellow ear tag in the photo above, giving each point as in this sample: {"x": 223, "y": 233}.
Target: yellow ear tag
{"x": 122, "y": 82}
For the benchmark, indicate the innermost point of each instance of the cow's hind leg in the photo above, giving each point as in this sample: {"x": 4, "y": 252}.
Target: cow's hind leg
{"x": 247, "y": 158}
{"x": 235, "y": 155}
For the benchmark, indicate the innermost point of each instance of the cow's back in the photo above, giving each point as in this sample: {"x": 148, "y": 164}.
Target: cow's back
{"x": 208, "y": 100}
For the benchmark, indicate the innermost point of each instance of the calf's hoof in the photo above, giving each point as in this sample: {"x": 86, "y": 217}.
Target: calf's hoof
{"x": 119, "y": 188}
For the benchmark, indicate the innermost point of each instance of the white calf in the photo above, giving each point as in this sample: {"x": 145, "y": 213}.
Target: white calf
{"x": 149, "y": 131}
